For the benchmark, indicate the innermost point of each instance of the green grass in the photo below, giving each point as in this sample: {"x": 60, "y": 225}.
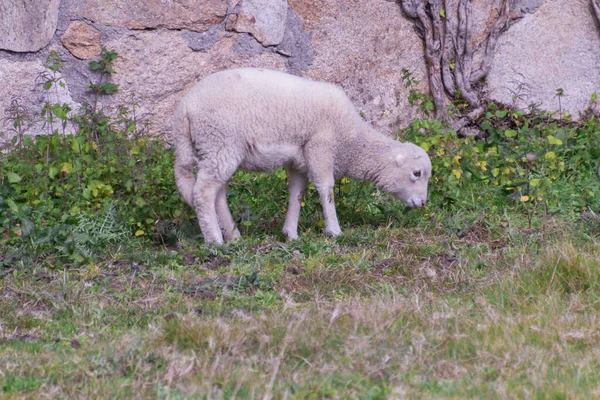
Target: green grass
{"x": 462, "y": 305}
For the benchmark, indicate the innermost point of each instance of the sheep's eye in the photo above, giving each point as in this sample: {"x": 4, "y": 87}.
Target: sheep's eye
{"x": 417, "y": 173}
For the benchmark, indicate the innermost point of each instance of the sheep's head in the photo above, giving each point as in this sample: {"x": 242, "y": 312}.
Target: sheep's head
{"x": 406, "y": 175}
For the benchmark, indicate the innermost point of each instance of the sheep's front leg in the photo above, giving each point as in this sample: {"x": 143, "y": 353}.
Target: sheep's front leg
{"x": 297, "y": 183}
{"x": 230, "y": 232}
{"x": 332, "y": 226}
{"x": 206, "y": 191}
{"x": 321, "y": 173}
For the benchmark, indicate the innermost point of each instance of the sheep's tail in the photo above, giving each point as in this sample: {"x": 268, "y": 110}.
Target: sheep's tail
{"x": 185, "y": 159}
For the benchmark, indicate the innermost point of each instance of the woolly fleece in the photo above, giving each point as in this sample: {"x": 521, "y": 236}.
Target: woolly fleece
{"x": 260, "y": 120}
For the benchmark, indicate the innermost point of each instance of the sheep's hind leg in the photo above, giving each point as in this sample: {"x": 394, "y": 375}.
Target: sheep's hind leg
{"x": 230, "y": 232}
{"x": 297, "y": 183}
{"x": 206, "y": 191}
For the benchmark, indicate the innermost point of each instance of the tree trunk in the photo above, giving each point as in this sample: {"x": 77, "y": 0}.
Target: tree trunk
{"x": 446, "y": 29}
{"x": 596, "y": 8}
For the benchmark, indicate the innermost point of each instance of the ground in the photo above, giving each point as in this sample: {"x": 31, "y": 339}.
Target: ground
{"x": 458, "y": 306}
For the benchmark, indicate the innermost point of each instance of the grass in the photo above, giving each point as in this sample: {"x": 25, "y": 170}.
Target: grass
{"x": 463, "y": 305}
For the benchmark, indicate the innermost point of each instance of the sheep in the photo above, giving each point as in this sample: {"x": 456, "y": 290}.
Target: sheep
{"x": 261, "y": 120}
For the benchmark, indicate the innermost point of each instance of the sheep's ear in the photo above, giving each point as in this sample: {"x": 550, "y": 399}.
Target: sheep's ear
{"x": 400, "y": 159}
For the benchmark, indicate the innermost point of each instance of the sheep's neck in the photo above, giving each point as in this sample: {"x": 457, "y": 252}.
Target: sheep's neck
{"x": 367, "y": 153}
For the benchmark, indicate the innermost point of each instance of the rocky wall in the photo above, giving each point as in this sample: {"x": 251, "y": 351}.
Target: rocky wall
{"x": 165, "y": 46}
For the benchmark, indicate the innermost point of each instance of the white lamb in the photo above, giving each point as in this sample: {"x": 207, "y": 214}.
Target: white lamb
{"x": 260, "y": 120}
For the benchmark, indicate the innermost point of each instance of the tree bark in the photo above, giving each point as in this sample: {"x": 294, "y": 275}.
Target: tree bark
{"x": 446, "y": 29}
{"x": 596, "y": 8}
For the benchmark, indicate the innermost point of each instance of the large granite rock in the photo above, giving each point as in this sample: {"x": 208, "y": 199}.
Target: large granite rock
{"x": 159, "y": 66}
{"x": 21, "y": 82}
{"x": 263, "y": 19}
{"x": 557, "y": 46}
{"x": 363, "y": 46}
{"x": 195, "y": 15}
{"x": 156, "y": 68}
{"x": 17, "y": 85}
{"x": 27, "y": 25}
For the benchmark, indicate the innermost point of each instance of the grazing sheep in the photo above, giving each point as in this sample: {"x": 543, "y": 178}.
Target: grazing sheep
{"x": 260, "y": 120}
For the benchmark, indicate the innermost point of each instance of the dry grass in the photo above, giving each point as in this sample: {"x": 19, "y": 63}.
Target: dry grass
{"x": 384, "y": 314}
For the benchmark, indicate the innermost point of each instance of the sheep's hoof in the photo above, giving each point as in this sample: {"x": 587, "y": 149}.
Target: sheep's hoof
{"x": 333, "y": 232}
{"x": 215, "y": 240}
{"x": 235, "y": 235}
{"x": 289, "y": 235}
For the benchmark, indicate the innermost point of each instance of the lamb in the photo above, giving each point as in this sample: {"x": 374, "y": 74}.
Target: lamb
{"x": 260, "y": 120}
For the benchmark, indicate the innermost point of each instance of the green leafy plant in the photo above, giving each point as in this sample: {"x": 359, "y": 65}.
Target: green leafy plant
{"x": 529, "y": 159}
{"x": 104, "y": 66}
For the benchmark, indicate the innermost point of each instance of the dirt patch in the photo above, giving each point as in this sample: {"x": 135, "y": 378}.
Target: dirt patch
{"x": 479, "y": 233}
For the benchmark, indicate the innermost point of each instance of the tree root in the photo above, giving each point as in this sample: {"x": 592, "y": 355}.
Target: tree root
{"x": 446, "y": 29}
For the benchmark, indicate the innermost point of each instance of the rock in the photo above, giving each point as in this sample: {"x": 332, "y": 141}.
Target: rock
{"x": 156, "y": 68}
{"x": 529, "y": 6}
{"x": 18, "y": 83}
{"x": 556, "y": 47}
{"x": 363, "y": 46}
{"x": 82, "y": 40}
{"x": 247, "y": 45}
{"x": 202, "y": 41}
{"x": 310, "y": 11}
{"x": 296, "y": 45}
{"x": 27, "y": 25}
{"x": 195, "y": 15}
{"x": 263, "y": 19}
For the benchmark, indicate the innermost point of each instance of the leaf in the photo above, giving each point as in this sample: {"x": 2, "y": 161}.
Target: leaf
{"x": 66, "y": 167}
{"x": 139, "y": 232}
{"x": 550, "y": 155}
{"x": 496, "y": 172}
{"x": 109, "y": 88}
{"x": 95, "y": 65}
{"x": 534, "y": 182}
{"x": 457, "y": 173}
{"x": 13, "y": 178}
{"x": 501, "y": 113}
{"x": 524, "y": 199}
{"x": 48, "y": 85}
{"x": 76, "y": 146}
{"x": 52, "y": 171}
{"x": 510, "y": 133}
{"x": 77, "y": 257}
{"x": 27, "y": 226}
{"x": 553, "y": 140}
{"x": 12, "y": 205}
{"x": 442, "y": 13}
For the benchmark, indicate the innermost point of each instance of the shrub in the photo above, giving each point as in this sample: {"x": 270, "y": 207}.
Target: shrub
{"x": 531, "y": 157}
